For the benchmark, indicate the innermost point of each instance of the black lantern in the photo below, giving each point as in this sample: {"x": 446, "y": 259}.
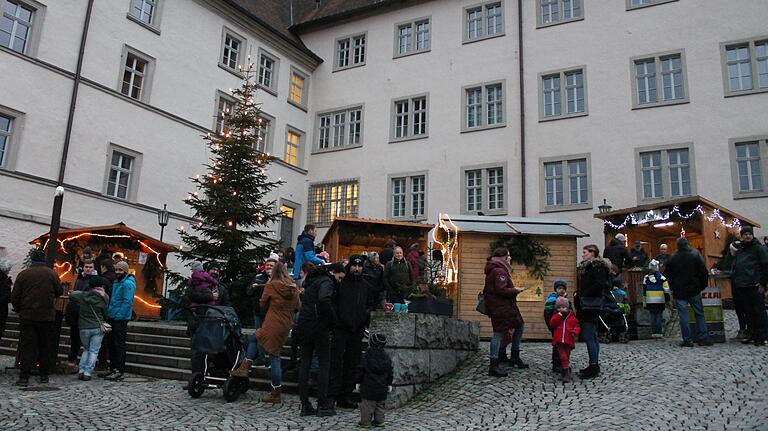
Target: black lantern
{"x": 604, "y": 208}
{"x": 162, "y": 219}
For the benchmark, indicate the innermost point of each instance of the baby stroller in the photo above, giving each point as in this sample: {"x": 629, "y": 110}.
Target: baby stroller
{"x": 218, "y": 338}
{"x": 613, "y": 321}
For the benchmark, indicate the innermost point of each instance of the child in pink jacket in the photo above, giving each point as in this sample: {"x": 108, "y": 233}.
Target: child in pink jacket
{"x": 566, "y": 331}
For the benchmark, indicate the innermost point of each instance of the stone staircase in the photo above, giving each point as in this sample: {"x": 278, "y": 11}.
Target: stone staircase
{"x": 156, "y": 349}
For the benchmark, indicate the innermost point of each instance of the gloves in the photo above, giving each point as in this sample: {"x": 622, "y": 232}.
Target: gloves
{"x": 389, "y": 388}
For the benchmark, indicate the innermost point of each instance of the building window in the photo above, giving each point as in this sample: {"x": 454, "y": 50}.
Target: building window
{"x": 293, "y": 143}
{"x": 408, "y": 194}
{"x": 483, "y": 106}
{"x": 339, "y": 128}
{"x": 749, "y": 167}
{"x": 144, "y": 10}
{"x": 409, "y": 118}
{"x": 135, "y": 77}
{"x": 483, "y": 21}
{"x": 264, "y": 132}
{"x": 659, "y": 79}
{"x": 484, "y": 190}
{"x": 562, "y": 94}
{"x": 224, "y": 108}
{"x": 6, "y": 128}
{"x": 412, "y": 37}
{"x": 16, "y": 25}
{"x": 665, "y": 173}
{"x": 330, "y": 200}
{"x": 121, "y": 172}
{"x": 268, "y": 72}
{"x": 232, "y": 49}
{"x": 552, "y": 12}
{"x": 299, "y": 88}
{"x": 565, "y": 183}
{"x": 745, "y": 66}
{"x": 350, "y": 52}
{"x": 287, "y": 217}
{"x": 637, "y": 4}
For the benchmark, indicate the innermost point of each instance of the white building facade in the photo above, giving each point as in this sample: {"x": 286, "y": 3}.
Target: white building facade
{"x": 387, "y": 110}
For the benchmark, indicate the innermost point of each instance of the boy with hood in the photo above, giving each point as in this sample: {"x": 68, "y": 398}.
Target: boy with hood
{"x": 561, "y": 288}
{"x": 374, "y": 379}
{"x": 92, "y": 312}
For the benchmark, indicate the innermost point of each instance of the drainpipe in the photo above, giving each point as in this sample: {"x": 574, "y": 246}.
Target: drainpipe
{"x": 522, "y": 105}
{"x": 58, "y": 200}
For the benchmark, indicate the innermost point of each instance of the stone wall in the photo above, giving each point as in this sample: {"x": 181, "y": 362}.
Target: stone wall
{"x": 423, "y": 348}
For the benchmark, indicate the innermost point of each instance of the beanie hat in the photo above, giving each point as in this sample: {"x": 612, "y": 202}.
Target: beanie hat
{"x": 377, "y": 340}
{"x": 122, "y": 265}
{"x": 96, "y": 281}
{"x": 194, "y": 266}
{"x": 653, "y": 265}
{"x": 621, "y": 237}
{"x": 560, "y": 283}
{"x": 212, "y": 264}
{"x": 5, "y": 266}
{"x": 38, "y": 256}
{"x": 747, "y": 229}
{"x": 562, "y": 302}
{"x": 372, "y": 255}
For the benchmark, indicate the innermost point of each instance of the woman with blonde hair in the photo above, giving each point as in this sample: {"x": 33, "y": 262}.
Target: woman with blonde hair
{"x": 281, "y": 298}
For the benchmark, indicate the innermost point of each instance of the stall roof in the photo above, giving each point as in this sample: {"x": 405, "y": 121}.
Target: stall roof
{"x": 119, "y": 228}
{"x": 513, "y": 225}
{"x": 690, "y": 200}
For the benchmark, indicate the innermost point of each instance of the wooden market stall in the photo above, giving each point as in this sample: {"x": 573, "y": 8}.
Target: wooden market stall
{"x": 348, "y": 236}
{"x": 466, "y": 242}
{"x": 145, "y": 255}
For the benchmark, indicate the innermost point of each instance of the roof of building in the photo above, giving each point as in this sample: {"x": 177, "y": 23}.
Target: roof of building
{"x": 313, "y": 13}
{"x": 512, "y": 225}
{"x": 118, "y": 229}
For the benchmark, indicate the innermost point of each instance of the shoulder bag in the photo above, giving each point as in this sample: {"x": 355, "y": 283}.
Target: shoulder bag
{"x": 103, "y": 326}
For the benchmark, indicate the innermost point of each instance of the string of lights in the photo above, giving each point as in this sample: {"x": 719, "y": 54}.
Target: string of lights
{"x": 653, "y": 216}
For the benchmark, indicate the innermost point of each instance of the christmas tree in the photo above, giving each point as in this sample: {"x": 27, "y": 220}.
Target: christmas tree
{"x": 230, "y": 204}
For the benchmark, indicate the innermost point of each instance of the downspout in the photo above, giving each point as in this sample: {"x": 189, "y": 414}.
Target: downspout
{"x": 58, "y": 200}
{"x": 522, "y": 104}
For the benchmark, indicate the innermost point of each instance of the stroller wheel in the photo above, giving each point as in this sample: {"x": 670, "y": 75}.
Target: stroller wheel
{"x": 232, "y": 389}
{"x": 244, "y": 383}
{"x": 195, "y": 387}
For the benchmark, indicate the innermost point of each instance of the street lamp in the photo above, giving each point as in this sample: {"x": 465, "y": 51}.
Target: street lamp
{"x": 604, "y": 208}
{"x": 162, "y": 219}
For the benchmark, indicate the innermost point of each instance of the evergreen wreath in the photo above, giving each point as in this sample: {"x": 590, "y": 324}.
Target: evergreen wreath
{"x": 526, "y": 251}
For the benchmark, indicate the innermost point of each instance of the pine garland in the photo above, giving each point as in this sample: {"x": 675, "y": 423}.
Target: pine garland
{"x": 526, "y": 251}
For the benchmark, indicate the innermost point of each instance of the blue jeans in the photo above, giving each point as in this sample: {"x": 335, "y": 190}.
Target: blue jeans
{"x": 589, "y": 332}
{"x": 91, "y": 339}
{"x": 698, "y": 309}
{"x": 495, "y": 344}
{"x": 656, "y": 321}
{"x": 517, "y": 337}
{"x": 275, "y": 371}
{"x": 258, "y": 354}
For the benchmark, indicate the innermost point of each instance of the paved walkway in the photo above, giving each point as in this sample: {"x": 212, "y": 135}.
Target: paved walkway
{"x": 648, "y": 385}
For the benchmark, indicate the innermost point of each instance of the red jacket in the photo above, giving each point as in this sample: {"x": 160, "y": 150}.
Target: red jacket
{"x": 413, "y": 258}
{"x": 566, "y": 329}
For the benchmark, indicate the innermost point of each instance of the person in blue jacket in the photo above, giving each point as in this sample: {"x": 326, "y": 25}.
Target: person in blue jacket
{"x": 305, "y": 250}
{"x": 120, "y": 312}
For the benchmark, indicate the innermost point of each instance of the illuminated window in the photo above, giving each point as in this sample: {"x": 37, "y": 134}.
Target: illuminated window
{"x": 330, "y": 200}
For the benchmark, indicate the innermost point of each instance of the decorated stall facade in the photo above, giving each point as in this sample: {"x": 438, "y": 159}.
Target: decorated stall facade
{"x": 547, "y": 248}
{"x": 348, "y": 236}
{"x": 145, "y": 255}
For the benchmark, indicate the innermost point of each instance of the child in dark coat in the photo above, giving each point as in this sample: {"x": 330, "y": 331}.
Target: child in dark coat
{"x": 566, "y": 332}
{"x": 374, "y": 381}
{"x": 561, "y": 288}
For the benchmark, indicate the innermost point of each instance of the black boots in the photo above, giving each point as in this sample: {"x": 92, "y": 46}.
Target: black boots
{"x": 307, "y": 409}
{"x": 494, "y": 370}
{"x": 503, "y": 358}
{"x": 590, "y": 372}
{"x": 516, "y": 361}
{"x": 565, "y": 375}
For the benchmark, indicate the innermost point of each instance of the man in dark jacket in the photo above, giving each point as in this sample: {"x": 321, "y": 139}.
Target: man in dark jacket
{"x": 346, "y": 347}
{"x": 72, "y": 312}
{"x": 373, "y": 271}
{"x": 398, "y": 278}
{"x": 749, "y": 277}
{"x": 687, "y": 275}
{"x": 316, "y": 319}
{"x": 220, "y": 292}
{"x": 637, "y": 256}
{"x": 5, "y": 293}
{"x": 387, "y": 253}
{"x": 594, "y": 283}
{"x": 617, "y": 253}
{"x": 106, "y": 267}
{"x": 33, "y": 295}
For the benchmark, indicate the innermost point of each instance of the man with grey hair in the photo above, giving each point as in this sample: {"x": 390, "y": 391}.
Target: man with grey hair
{"x": 5, "y": 292}
{"x": 687, "y": 275}
{"x": 663, "y": 256}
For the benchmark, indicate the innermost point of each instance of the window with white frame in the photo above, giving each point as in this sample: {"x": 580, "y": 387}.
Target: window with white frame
{"x": 412, "y": 37}
{"x": 408, "y": 197}
{"x": 665, "y": 173}
{"x": 293, "y": 144}
{"x": 330, "y": 200}
{"x": 483, "y": 21}
{"x": 135, "y": 80}
{"x": 409, "y": 118}
{"x": 350, "y": 52}
{"x": 745, "y": 66}
{"x": 6, "y": 128}
{"x": 224, "y": 108}
{"x": 483, "y": 106}
{"x": 484, "y": 190}
{"x": 16, "y": 25}
{"x": 339, "y": 128}
{"x": 144, "y": 10}
{"x": 749, "y": 166}
{"x": 297, "y": 94}
{"x": 268, "y": 71}
{"x": 231, "y": 51}
{"x": 637, "y": 4}
{"x": 551, "y": 12}
{"x": 562, "y": 94}
{"x": 566, "y": 183}
{"x": 264, "y": 132}
{"x": 120, "y": 175}
{"x": 659, "y": 79}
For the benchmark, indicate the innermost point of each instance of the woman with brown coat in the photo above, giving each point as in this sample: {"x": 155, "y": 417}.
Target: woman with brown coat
{"x": 281, "y": 299}
{"x": 501, "y": 303}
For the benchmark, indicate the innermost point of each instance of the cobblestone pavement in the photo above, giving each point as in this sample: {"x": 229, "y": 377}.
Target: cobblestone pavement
{"x": 646, "y": 385}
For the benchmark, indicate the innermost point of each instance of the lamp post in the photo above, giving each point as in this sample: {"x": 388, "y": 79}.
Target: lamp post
{"x": 162, "y": 220}
{"x": 604, "y": 208}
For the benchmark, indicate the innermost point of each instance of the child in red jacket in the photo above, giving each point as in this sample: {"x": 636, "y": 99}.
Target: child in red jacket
{"x": 566, "y": 332}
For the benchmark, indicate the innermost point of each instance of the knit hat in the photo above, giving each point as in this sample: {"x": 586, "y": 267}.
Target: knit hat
{"x": 38, "y": 256}
{"x": 372, "y": 255}
{"x": 377, "y": 340}
{"x": 5, "y": 266}
{"x": 747, "y": 229}
{"x": 653, "y": 265}
{"x": 212, "y": 264}
{"x": 96, "y": 281}
{"x": 357, "y": 259}
{"x": 194, "y": 266}
{"x": 621, "y": 237}
{"x": 560, "y": 283}
{"x": 562, "y": 302}
{"x": 123, "y": 265}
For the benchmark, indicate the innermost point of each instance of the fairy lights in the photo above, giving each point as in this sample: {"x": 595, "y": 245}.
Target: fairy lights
{"x": 663, "y": 215}
{"x": 449, "y": 246}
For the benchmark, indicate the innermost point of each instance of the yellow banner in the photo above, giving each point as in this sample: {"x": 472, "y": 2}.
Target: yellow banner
{"x": 535, "y": 291}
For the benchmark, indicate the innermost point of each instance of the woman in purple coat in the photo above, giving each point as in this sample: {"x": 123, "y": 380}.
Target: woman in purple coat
{"x": 501, "y": 304}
